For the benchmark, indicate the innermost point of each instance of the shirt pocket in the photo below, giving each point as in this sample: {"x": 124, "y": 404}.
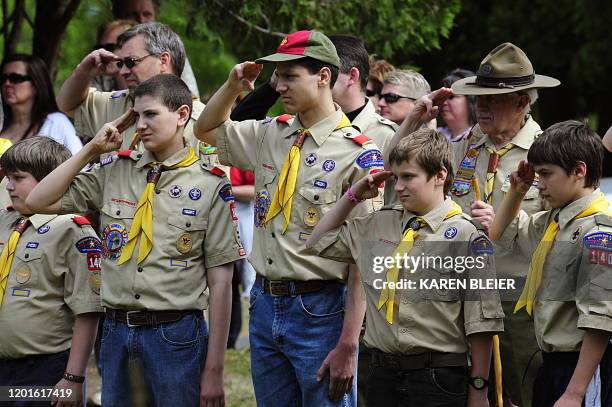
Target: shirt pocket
{"x": 439, "y": 284}
{"x": 313, "y": 204}
{"x": 25, "y": 268}
{"x": 184, "y": 234}
{"x": 115, "y": 223}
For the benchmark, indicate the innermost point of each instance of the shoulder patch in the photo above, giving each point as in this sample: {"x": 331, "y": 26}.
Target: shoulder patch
{"x": 284, "y": 118}
{"x": 481, "y": 245}
{"x": 119, "y": 94}
{"x": 598, "y": 240}
{"x": 603, "y": 220}
{"x": 226, "y": 193}
{"x": 81, "y": 220}
{"x": 217, "y": 171}
{"x": 370, "y": 158}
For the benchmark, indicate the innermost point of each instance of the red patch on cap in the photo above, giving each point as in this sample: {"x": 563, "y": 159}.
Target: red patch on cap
{"x": 295, "y": 43}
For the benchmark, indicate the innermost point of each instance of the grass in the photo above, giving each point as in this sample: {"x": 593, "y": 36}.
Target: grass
{"x": 238, "y": 385}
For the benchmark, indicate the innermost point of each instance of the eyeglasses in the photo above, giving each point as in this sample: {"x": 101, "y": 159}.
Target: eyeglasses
{"x": 110, "y": 46}
{"x": 371, "y": 92}
{"x": 14, "y": 78}
{"x": 130, "y": 62}
{"x": 394, "y": 97}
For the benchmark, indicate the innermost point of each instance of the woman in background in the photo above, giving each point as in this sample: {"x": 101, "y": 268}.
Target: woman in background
{"x": 458, "y": 112}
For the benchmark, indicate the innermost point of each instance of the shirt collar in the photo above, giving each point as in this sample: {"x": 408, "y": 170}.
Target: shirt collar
{"x": 569, "y": 212}
{"x": 434, "y": 218}
{"x": 321, "y": 130}
{"x": 360, "y": 121}
{"x": 39, "y": 220}
{"x": 148, "y": 158}
{"x": 523, "y": 139}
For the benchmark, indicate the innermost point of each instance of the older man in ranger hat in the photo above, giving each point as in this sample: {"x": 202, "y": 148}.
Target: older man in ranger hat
{"x": 505, "y": 87}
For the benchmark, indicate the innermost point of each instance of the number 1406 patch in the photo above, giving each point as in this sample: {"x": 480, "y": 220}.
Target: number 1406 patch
{"x": 603, "y": 257}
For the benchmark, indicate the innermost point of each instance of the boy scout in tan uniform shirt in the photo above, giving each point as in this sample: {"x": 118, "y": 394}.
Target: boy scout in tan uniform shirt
{"x": 191, "y": 210}
{"x": 437, "y": 322}
{"x": 55, "y": 275}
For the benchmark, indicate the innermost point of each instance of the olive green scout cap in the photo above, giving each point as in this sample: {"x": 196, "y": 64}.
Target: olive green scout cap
{"x": 302, "y": 44}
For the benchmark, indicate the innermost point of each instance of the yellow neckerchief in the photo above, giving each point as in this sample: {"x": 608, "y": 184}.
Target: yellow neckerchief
{"x": 142, "y": 225}
{"x": 387, "y": 295}
{"x": 534, "y": 276}
{"x": 6, "y": 258}
{"x": 283, "y": 197}
{"x": 495, "y": 156}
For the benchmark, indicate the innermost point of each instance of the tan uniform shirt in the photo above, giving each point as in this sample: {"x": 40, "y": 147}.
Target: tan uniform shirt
{"x": 506, "y": 265}
{"x": 193, "y": 230}
{"x": 576, "y": 288}
{"x": 55, "y": 275}
{"x": 331, "y": 161}
{"x": 428, "y": 318}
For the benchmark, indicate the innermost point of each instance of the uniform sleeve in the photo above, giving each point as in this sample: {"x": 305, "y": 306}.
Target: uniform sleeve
{"x": 595, "y": 308}
{"x": 482, "y": 306}
{"x": 222, "y": 243}
{"x": 82, "y": 279}
{"x": 344, "y": 243}
{"x": 86, "y": 191}
{"x": 238, "y": 143}
{"x": 368, "y": 160}
{"x": 525, "y": 232}
{"x": 189, "y": 78}
{"x": 93, "y": 113}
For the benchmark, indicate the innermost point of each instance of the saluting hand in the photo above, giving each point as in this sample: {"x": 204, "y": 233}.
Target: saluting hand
{"x": 109, "y": 138}
{"x": 428, "y": 106}
{"x": 243, "y": 75}
{"x": 98, "y": 62}
{"x": 523, "y": 177}
{"x": 367, "y": 187}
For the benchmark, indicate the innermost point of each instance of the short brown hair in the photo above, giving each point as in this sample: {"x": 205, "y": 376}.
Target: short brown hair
{"x": 431, "y": 150}
{"x": 378, "y": 69}
{"x": 566, "y": 143}
{"x": 37, "y": 155}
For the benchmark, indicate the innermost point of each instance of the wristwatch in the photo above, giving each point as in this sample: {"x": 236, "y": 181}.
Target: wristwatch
{"x": 478, "y": 382}
{"x": 74, "y": 378}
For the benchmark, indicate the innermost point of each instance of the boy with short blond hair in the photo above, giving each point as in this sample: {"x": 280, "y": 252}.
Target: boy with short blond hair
{"x": 418, "y": 330}
{"x": 568, "y": 289}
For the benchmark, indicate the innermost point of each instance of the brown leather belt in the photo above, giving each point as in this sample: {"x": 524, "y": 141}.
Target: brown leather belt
{"x": 284, "y": 288}
{"x": 418, "y": 361}
{"x": 147, "y": 318}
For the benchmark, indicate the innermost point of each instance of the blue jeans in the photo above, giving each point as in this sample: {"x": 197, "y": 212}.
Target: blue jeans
{"x": 171, "y": 357}
{"x": 290, "y": 337}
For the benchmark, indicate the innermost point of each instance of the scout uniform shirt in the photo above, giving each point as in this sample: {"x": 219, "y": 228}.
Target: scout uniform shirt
{"x": 331, "y": 160}
{"x": 193, "y": 229}
{"x": 429, "y": 318}
{"x": 100, "y": 108}
{"x": 576, "y": 288}
{"x": 472, "y": 157}
{"x": 55, "y": 274}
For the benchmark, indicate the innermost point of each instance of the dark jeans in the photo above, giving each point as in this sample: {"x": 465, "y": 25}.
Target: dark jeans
{"x": 40, "y": 370}
{"x": 429, "y": 387}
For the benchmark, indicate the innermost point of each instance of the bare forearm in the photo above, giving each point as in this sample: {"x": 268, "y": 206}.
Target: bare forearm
{"x": 83, "y": 337}
{"x": 332, "y": 220}
{"x": 505, "y": 214}
{"x": 216, "y": 112}
{"x": 244, "y": 193}
{"x": 45, "y": 196}
{"x": 220, "y": 305}
{"x": 481, "y": 345}
{"x": 593, "y": 347}
{"x": 354, "y": 310}
{"x": 73, "y": 91}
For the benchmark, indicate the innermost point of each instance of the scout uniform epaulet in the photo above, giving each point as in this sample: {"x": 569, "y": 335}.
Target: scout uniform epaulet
{"x": 81, "y": 221}
{"x": 284, "y": 118}
{"x": 387, "y": 122}
{"x": 133, "y": 154}
{"x": 119, "y": 94}
{"x": 360, "y": 139}
{"x": 476, "y": 223}
{"x": 603, "y": 220}
{"x": 217, "y": 171}
{"x": 392, "y": 207}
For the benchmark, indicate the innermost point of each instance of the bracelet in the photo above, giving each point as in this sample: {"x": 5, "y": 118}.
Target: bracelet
{"x": 74, "y": 378}
{"x": 351, "y": 196}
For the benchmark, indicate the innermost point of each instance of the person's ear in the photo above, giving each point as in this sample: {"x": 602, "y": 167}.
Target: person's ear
{"x": 184, "y": 114}
{"x": 166, "y": 63}
{"x": 441, "y": 177}
{"x": 523, "y": 102}
{"x": 581, "y": 170}
{"x": 324, "y": 77}
{"x": 354, "y": 76}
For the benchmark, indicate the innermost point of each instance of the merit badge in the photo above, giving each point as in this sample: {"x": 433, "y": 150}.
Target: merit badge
{"x": 460, "y": 187}
{"x": 32, "y": 245}
{"x": 114, "y": 237}
{"x": 106, "y": 160}
{"x": 88, "y": 245}
{"x": 329, "y": 165}
{"x": 195, "y": 194}
{"x": 450, "y": 233}
{"x": 43, "y": 229}
{"x": 598, "y": 240}
{"x": 226, "y": 194}
{"x": 576, "y": 234}
{"x": 95, "y": 281}
{"x": 311, "y": 216}
{"x": 23, "y": 275}
{"x": 370, "y": 158}
{"x": 175, "y": 191}
{"x": 184, "y": 243}
{"x": 481, "y": 245}
{"x": 310, "y": 159}
{"x": 20, "y": 292}
{"x": 262, "y": 203}
{"x": 320, "y": 183}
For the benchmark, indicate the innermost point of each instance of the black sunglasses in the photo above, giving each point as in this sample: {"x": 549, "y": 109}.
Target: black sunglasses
{"x": 14, "y": 78}
{"x": 110, "y": 47}
{"x": 394, "y": 97}
{"x": 370, "y": 93}
{"x": 130, "y": 62}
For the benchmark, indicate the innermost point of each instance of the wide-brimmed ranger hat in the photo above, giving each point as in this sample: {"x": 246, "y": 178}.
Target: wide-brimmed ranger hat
{"x": 301, "y": 44}
{"x": 506, "y": 69}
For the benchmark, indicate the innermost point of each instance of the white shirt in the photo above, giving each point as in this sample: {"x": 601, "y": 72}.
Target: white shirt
{"x": 59, "y": 128}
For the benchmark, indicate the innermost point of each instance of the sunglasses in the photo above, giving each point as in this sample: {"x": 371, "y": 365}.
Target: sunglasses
{"x": 110, "y": 47}
{"x": 394, "y": 97}
{"x": 371, "y": 92}
{"x": 130, "y": 62}
{"x": 14, "y": 78}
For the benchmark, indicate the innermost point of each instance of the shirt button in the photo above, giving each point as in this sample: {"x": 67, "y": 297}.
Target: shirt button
{"x": 158, "y": 191}
{"x": 138, "y": 155}
{"x": 188, "y": 224}
{"x": 273, "y": 235}
{"x": 270, "y": 261}
{"x": 27, "y": 255}
{"x": 118, "y": 213}
{"x": 137, "y": 296}
{"x": 139, "y": 269}
{"x": 316, "y": 197}
{"x": 404, "y": 300}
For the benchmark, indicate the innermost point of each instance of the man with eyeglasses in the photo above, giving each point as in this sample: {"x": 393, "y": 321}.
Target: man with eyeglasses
{"x": 145, "y": 50}
{"x": 401, "y": 88}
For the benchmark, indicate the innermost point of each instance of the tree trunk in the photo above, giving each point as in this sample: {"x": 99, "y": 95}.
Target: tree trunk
{"x": 12, "y": 33}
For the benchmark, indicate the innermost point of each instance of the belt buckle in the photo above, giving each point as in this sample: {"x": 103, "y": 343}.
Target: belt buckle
{"x": 272, "y": 284}
{"x": 127, "y": 319}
